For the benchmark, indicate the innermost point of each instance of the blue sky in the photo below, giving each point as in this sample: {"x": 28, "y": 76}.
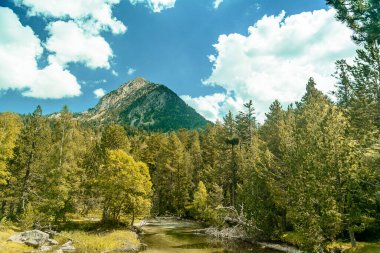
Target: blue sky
{"x": 56, "y": 53}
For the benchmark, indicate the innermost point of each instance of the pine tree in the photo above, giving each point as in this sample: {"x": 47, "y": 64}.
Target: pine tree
{"x": 62, "y": 179}
{"x": 362, "y": 16}
{"x": 10, "y": 126}
{"x": 30, "y": 161}
{"x": 358, "y": 92}
{"x": 200, "y": 201}
{"x": 124, "y": 186}
{"x": 232, "y": 141}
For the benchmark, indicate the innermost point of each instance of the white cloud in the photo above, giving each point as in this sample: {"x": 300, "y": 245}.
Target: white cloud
{"x": 99, "y": 92}
{"x": 19, "y": 50}
{"x": 89, "y": 49}
{"x": 131, "y": 71}
{"x": 155, "y": 5}
{"x": 53, "y": 82}
{"x": 215, "y": 106}
{"x": 114, "y": 73}
{"x": 279, "y": 54}
{"x": 90, "y": 13}
{"x": 217, "y": 3}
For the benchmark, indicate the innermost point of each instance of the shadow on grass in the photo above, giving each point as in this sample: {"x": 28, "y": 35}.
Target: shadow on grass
{"x": 91, "y": 226}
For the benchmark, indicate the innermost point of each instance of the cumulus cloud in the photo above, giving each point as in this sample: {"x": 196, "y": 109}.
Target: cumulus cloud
{"x": 114, "y": 72}
{"x": 19, "y": 50}
{"x": 279, "y": 54}
{"x": 214, "y": 107}
{"x": 91, "y": 50}
{"x": 217, "y": 3}
{"x": 99, "y": 92}
{"x": 131, "y": 71}
{"x": 155, "y": 5}
{"x": 75, "y": 35}
{"x": 80, "y": 22}
{"x": 53, "y": 82}
{"x": 96, "y": 14}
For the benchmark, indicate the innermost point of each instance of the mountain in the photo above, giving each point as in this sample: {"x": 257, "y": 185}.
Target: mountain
{"x": 143, "y": 104}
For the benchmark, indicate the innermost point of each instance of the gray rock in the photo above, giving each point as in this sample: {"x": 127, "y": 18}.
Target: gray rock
{"x": 33, "y": 238}
{"x": 68, "y": 247}
{"x": 46, "y": 248}
{"x": 52, "y": 242}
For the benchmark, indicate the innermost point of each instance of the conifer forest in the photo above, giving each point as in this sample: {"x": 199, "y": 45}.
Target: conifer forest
{"x": 309, "y": 175}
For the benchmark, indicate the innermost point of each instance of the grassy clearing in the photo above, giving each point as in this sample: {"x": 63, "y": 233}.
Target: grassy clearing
{"x": 98, "y": 242}
{"x": 88, "y": 236}
{"x": 296, "y": 239}
{"x": 362, "y": 247}
{"x": 11, "y": 247}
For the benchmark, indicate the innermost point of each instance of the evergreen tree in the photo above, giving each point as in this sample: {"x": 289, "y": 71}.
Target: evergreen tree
{"x": 362, "y": 16}
{"x": 232, "y": 141}
{"x": 10, "y": 126}
{"x": 200, "y": 201}
{"x": 124, "y": 186}
{"x": 30, "y": 159}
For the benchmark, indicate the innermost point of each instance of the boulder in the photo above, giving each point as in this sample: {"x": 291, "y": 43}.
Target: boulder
{"x": 68, "y": 247}
{"x": 52, "y": 242}
{"x": 33, "y": 238}
{"x": 46, "y": 248}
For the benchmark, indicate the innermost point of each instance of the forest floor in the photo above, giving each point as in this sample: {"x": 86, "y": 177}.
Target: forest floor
{"x": 87, "y": 236}
{"x": 295, "y": 239}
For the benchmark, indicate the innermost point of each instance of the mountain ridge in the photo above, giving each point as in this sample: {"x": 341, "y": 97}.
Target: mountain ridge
{"x": 144, "y": 104}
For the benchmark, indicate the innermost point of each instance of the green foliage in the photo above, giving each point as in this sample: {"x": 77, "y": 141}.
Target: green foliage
{"x": 10, "y": 125}
{"x": 308, "y": 176}
{"x": 124, "y": 186}
{"x": 200, "y": 201}
{"x": 362, "y": 16}
{"x": 115, "y": 241}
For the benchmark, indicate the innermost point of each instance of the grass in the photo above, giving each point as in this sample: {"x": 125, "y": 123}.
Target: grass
{"x": 88, "y": 236}
{"x": 294, "y": 239}
{"x": 11, "y": 247}
{"x": 362, "y": 247}
{"x": 98, "y": 242}
{"x": 297, "y": 240}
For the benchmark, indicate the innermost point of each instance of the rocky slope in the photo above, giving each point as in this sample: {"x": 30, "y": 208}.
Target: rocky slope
{"x": 143, "y": 104}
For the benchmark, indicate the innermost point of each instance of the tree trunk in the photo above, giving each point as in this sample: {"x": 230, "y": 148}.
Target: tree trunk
{"x": 352, "y": 237}
{"x": 234, "y": 176}
{"x": 21, "y": 204}
{"x": 3, "y": 206}
{"x": 105, "y": 214}
{"x": 133, "y": 217}
{"x": 61, "y": 147}
{"x": 283, "y": 220}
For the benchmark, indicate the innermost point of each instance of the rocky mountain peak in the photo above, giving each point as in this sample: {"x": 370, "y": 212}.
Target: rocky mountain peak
{"x": 141, "y": 103}
{"x": 134, "y": 84}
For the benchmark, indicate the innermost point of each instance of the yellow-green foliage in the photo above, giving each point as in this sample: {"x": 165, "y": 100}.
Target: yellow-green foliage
{"x": 200, "y": 200}
{"x": 91, "y": 242}
{"x": 362, "y": 247}
{"x": 125, "y": 185}
{"x": 294, "y": 238}
{"x": 9, "y": 129}
{"x": 366, "y": 247}
{"x": 11, "y": 247}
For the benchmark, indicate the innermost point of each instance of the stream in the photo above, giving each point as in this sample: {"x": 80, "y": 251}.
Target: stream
{"x": 171, "y": 236}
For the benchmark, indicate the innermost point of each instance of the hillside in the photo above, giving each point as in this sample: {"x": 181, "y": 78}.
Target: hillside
{"x": 143, "y": 104}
